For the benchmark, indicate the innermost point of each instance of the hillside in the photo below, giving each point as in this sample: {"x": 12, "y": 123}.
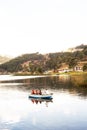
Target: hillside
{"x": 38, "y": 63}
{"x": 4, "y": 59}
{"x": 77, "y": 48}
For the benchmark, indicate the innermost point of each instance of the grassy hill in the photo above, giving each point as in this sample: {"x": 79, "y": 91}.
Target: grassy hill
{"x": 39, "y": 63}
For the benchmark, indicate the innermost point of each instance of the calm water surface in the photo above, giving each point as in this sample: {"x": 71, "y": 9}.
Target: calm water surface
{"x": 66, "y": 111}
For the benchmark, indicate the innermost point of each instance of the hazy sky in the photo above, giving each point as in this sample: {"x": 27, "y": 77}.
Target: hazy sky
{"x": 28, "y": 26}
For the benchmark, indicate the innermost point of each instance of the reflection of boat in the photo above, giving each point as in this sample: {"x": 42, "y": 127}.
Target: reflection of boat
{"x": 43, "y": 96}
{"x": 39, "y": 100}
{"x": 42, "y": 100}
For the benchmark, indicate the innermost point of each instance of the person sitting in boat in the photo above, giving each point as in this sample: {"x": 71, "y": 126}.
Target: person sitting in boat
{"x": 46, "y": 91}
{"x": 32, "y": 92}
{"x": 35, "y": 91}
{"x": 39, "y": 92}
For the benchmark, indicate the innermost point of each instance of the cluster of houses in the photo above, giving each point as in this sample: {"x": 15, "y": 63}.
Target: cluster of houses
{"x": 65, "y": 68}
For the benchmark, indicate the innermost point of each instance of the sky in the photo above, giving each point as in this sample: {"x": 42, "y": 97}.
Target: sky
{"x": 29, "y": 26}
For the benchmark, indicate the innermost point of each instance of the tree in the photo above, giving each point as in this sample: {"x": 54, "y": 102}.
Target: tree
{"x": 72, "y": 63}
{"x": 85, "y": 67}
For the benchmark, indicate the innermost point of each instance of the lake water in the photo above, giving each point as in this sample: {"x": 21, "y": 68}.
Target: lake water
{"x": 66, "y": 111}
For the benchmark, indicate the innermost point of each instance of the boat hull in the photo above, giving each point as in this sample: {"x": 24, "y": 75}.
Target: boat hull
{"x": 40, "y": 96}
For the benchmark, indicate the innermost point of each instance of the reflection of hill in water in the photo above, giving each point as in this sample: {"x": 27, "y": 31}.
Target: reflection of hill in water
{"x": 72, "y": 84}
{"x": 80, "y": 80}
{"x": 80, "y": 83}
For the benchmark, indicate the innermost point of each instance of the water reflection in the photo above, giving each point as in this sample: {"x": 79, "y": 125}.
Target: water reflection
{"x": 10, "y": 104}
{"x": 40, "y": 101}
{"x": 80, "y": 80}
{"x": 66, "y": 111}
{"x": 72, "y": 84}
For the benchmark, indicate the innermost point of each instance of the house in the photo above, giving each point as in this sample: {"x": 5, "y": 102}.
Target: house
{"x": 79, "y": 66}
{"x": 64, "y": 68}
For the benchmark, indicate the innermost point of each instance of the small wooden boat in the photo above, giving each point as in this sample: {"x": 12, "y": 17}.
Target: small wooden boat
{"x": 43, "y": 96}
